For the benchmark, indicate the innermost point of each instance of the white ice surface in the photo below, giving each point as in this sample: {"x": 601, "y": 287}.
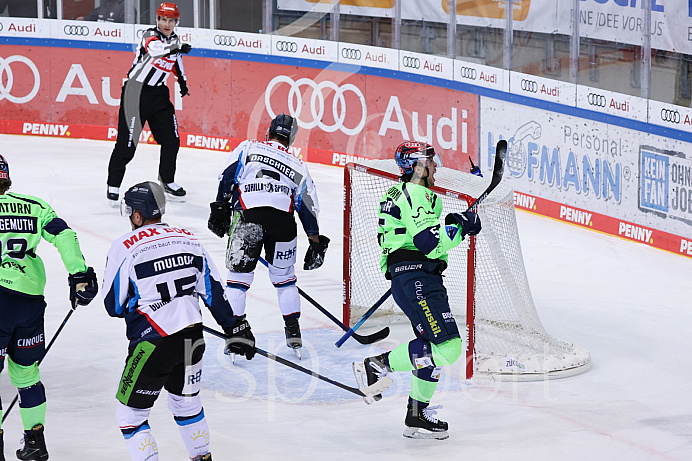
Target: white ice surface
{"x": 629, "y": 304}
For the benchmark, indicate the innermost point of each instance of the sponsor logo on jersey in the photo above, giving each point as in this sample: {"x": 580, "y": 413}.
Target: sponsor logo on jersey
{"x": 13, "y": 265}
{"x": 147, "y": 392}
{"x": 15, "y": 208}
{"x": 286, "y": 255}
{"x": 194, "y": 378}
{"x": 267, "y": 187}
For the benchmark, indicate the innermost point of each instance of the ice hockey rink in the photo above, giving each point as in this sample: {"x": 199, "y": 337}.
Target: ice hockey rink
{"x": 628, "y": 304}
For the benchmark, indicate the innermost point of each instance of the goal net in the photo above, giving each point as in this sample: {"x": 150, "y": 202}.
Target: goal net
{"x": 486, "y": 280}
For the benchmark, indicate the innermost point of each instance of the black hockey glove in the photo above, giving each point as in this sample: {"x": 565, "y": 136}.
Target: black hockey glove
{"x": 185, "y": 48}
{"x": 314, "y": 257}
{"x": 240, "y": 339}
{"x": 468, "y": 220}
{"x": 184, "y": 91}
{"x": 219, "y": 218}
{"x": 83, "y": 287}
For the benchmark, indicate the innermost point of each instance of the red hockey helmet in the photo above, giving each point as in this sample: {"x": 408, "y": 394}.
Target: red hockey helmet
{"x": 168, "y": 10}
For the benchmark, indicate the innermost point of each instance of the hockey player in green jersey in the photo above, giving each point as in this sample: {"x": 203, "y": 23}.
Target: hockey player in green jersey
{"x": 414, "y": 255}
{"x": 24, "y": 220}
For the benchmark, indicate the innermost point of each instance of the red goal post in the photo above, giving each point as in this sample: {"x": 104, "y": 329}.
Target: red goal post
{"x": 486, "y": 280}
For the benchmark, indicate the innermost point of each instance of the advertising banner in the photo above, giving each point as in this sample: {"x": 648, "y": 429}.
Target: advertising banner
{"x": 599, "y": 176}
{"x": 54, "y": 91}
{"x": 620, "y": 21}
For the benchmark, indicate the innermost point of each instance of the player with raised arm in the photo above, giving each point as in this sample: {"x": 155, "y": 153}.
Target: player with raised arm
{"x": 145, "y": 98}
{"x": 154, "y": 278}
{"x": 414, "y": 256}
{"x": 265, "y": 183}
{"x": 24, "y": 220}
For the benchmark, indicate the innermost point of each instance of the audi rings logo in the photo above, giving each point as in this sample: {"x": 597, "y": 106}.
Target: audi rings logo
{"x": 317, "y": 104}
{"x": 350, "y": 53}
{"x": 0, "y": 26}
{"x": 225, "y": 40}
{"x": 529, "y": 85}
{"x": 76, "y": 30}
{"x": 672, "y": 116}
{"x": 468, "y": 72}
{"x": 7, "y": 76}
{"x": 410, "y": 62}
{"x": 289, "y": 47}
{"x": 597, "y": 100}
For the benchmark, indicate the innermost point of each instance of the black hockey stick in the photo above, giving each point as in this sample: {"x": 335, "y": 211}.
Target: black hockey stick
{"x": 363, "y": 339}
{"x": 498, "y": 169}
{"x": 365, "y": 316}
{"x": 55, "y": 336}
{"x": 288, "y": 363}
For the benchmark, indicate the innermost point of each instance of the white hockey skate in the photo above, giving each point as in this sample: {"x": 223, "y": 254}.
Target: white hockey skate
{"x": 373, "y": 390}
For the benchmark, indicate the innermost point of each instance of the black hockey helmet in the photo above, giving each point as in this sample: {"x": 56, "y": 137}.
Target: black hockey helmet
{"x": 147, "y": 197}
{"x": 284, "y": 127}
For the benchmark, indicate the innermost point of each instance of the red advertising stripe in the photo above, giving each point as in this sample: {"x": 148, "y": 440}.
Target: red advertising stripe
{"x": 606, "y": 224}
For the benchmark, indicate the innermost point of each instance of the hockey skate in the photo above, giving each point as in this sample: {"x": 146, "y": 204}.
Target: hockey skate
{"x": 293, "y": 338}
{"x": 174, "y": 192}
{"x": 372, "y": 384}
{"x": 34, "y": 445}
{"x": 206, "y": 457}
{"x": 113, "y": 196}
{"x": 421, "y": 423}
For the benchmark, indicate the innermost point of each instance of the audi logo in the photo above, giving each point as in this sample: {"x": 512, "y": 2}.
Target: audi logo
{"x": 225, "y": 40}
{"x": 76, "y": 30}
{"x": 350, "y": 53}
{"x": 317, "y": 105}
{"x": 6, "y": 70}
{"x": 597, "y": 100}
{"x": 672, "y": 116}
{"x": 529, "y": 85}
{"x": 289, "y": 47}
{"x": 468, "y": 72}
{"x": 0, "y": 26}
{"x": 410, "y": 62}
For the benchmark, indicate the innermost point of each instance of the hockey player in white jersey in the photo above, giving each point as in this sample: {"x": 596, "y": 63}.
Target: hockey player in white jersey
{"x": 265, "y": 184}
{"x": 154, "y": 278}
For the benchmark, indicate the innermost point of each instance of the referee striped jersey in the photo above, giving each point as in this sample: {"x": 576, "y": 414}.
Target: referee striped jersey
{"x": 156, "y": 57}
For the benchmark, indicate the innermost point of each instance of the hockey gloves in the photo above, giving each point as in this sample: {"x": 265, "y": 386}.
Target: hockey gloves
{"x": 469, "y": 222}
{"x": 184, "y": 91}
{"x": 314, "y": 257}
{"x": 219, "y": 218}
{"x": 240, "y": 339}
{"x": 83, "y": 287}
{"x": 185, "y": 48}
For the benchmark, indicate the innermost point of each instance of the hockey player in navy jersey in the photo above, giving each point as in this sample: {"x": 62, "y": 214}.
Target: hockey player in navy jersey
{"x": 265, "y": 184}
{"x": 154, "y": 278}
{"x": 145, "y": 98}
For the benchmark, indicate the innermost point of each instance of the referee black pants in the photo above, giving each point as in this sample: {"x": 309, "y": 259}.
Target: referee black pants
{"x": 155, "y": 107}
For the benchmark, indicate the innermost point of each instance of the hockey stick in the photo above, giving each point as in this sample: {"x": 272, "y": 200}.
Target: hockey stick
{"x": 363, "y": 339}
{"x": 498, "y": 170}
{"x": 365, "y": 316}
{"x": 288, "y": 363}
{"x": 50, "y": 344}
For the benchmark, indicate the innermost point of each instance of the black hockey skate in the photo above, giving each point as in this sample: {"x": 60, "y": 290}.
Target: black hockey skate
{"x": 375, "y": 368}
{"x": 34, "y": 445}
{"x": 206, "y": 457}
{"x": 421, "y": 423}
{"x": 113, "y": 196}
{"x": 174, "y": 192}
{"x": 293, "y": 338}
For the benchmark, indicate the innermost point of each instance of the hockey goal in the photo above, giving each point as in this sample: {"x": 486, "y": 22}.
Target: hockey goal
{"x": 486, "y": 280}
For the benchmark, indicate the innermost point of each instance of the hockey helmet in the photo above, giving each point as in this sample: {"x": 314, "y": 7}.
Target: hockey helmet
{"x": 147, "y": 197}
{"x": 4, "y": 168}
{"x": 284, "y": 126}
{"x": 408, "y": 153}
{"x": 168, "y": 10}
